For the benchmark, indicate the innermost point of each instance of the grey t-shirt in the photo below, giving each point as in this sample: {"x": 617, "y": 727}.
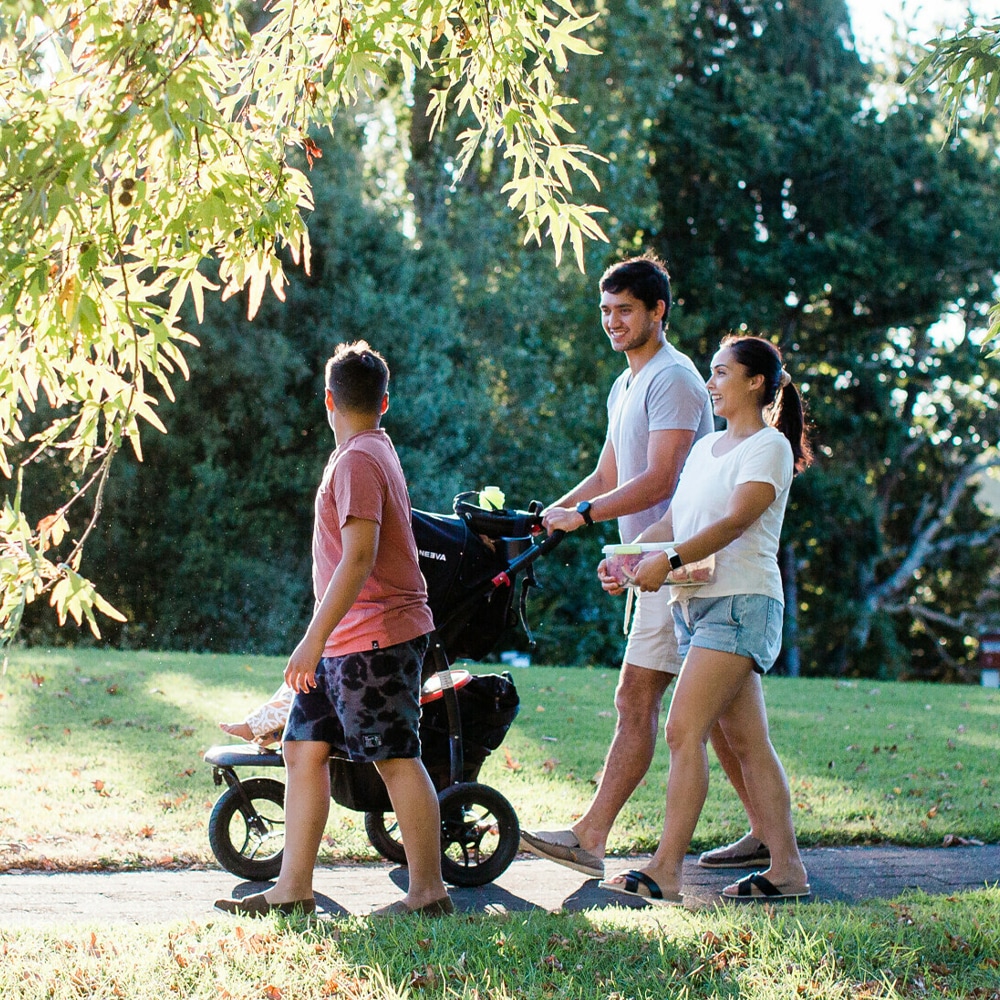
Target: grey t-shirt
{"x": 667, "y": 394}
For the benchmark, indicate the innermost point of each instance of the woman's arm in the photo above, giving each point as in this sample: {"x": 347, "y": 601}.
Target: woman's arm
{"x": 748, "y": 502}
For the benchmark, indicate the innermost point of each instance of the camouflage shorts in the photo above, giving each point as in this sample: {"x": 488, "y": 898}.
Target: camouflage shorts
{"x": 365, "y": 705}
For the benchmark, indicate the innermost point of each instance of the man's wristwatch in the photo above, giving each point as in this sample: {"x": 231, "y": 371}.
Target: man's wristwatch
{"x": 675, "y": 560}
{"x": 583, "y": 509}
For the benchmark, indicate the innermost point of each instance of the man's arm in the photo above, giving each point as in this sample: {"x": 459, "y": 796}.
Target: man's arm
{"x": 360, "y": 540}
{"x": 665, "y": 457}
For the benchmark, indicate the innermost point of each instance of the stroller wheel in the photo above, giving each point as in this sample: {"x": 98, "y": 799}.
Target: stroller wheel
{"x": 250, "y": 843}
{"x": 479, "y": 834}
{"x": 383, "y": 832}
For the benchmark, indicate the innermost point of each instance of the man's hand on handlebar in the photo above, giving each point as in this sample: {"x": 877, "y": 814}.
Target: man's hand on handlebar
{"x": 562, "y": 519}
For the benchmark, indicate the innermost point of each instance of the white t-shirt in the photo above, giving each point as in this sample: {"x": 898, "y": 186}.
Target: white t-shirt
{"x": 748, "y": 565}
{"x": 667, "y": 394}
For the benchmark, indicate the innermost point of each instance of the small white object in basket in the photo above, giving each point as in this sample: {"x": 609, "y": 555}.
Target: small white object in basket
{"x": 621, "y": 561}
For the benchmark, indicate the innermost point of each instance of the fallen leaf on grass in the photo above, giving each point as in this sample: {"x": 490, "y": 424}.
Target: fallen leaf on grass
{"x": 548, "y": 766}
{"x": 954, "y": 840}
{"x": 509, "y": 762}
{"x": 420, "y": 979}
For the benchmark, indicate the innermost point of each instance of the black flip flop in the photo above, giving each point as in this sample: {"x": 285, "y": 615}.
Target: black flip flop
{"x": 766, "y": 892}
{"x": 630, "y": 887}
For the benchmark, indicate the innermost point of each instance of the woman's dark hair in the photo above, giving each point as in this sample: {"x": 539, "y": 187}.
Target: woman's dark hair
{"x": 785, "y": 411}
{"x": 644, "y": 277}
{"x": 357, "y": 377}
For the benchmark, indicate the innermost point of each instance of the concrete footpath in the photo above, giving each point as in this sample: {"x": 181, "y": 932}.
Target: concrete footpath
{"x": 847, "y": 874}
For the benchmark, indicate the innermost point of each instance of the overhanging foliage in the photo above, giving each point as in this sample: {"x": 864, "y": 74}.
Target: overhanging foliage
{"x": 142, "y": 140}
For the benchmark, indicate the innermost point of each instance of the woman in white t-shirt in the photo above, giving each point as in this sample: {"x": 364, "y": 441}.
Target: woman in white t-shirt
{"x": 730, "y": 502}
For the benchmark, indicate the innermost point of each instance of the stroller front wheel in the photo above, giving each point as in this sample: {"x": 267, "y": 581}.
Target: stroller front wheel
{"x": 249, "y": 843}
{"x": 479, "y": 834}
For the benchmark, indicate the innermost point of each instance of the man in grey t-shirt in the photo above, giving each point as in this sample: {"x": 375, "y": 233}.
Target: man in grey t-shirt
{"x": 657, "y": 408}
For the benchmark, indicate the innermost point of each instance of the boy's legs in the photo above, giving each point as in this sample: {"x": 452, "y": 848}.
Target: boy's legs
{"x": 415, "y": 803}
{"x": 307, "y": 806}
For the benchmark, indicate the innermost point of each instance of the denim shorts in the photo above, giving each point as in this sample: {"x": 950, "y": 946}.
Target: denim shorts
{"x": 744, "y": 624}
{"x": 365, "y": 705}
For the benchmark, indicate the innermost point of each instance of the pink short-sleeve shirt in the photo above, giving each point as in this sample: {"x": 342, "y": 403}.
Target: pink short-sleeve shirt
{"x": 364, "y": 479}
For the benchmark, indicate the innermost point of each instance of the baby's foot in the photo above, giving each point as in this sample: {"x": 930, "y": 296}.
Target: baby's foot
{"x": 240, "y": 729}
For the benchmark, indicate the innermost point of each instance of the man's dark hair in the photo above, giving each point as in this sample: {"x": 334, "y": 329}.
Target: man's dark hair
{"x": 357, "y": 378}
{"x": 644, "y": 277}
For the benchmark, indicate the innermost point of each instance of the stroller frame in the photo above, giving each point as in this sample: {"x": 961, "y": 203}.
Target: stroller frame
{"x": 480, "y": 832}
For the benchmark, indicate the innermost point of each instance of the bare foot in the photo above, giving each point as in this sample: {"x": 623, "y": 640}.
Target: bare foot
{"x": 240, "y": 729}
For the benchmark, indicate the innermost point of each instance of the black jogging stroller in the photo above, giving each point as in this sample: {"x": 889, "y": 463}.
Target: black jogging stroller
{"x": 470, "y": 560}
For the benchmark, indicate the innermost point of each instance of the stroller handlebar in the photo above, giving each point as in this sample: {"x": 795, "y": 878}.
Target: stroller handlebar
{"x": 534, "y": 551}
{"x": 500, "y": 523}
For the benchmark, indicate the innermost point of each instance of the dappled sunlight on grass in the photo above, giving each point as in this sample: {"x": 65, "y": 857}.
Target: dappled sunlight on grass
{"x": 915, "y": 946}
{"x": 105, "y": 761}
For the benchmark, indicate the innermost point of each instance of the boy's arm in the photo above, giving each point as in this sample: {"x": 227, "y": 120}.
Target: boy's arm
{"x": 360, "y": 541}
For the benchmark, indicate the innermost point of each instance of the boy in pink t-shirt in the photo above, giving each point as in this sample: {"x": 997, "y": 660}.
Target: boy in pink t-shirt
{"x": 356, "y": 671}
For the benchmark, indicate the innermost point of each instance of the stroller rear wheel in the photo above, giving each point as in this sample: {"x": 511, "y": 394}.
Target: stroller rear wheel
{"x": 479, "y": 834}
{"x": 383, "y": 832}
{"x": 250, "y": 843}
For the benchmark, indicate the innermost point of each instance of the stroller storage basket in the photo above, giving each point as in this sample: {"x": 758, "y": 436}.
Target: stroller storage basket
{"x": 488, "y": 705}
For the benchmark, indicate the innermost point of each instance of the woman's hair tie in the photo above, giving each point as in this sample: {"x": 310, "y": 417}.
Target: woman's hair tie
{"x": 784, "y": 378}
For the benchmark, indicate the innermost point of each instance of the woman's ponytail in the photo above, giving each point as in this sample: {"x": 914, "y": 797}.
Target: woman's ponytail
{"x": 785, "y": 411}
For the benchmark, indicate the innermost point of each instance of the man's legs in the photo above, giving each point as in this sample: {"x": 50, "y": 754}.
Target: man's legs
{"x": 638, "y": 697}
{"x": 415, "y": 804}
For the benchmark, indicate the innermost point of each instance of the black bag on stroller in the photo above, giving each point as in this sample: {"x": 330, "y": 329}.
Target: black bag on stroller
{"x": 488, "y": 705}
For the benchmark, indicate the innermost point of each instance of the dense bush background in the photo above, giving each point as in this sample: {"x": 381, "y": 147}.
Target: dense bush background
{"x": 794, "y": 190}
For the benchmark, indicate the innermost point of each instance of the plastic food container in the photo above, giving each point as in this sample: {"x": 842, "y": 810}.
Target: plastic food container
{"x": 621, "y": 561}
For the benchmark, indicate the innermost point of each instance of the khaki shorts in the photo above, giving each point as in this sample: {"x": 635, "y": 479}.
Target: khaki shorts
{"x": 652, "y": 642}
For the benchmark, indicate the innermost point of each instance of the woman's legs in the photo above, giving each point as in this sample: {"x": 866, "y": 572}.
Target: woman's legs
{"x": 707, "y": 683}
{"x": 745, "y": 725}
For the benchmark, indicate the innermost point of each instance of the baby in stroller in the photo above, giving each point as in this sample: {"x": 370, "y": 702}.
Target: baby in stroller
{"x": 265, "y": 724}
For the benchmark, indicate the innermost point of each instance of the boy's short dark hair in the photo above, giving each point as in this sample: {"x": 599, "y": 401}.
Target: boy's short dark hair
{"x": 644, "y": 277}
{"x": 357, "y": 377}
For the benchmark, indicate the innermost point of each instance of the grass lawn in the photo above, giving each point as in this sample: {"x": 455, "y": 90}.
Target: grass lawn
{"x": 104, "y": 770}
{"x": 918, "y": 947}
{"x": 104, "y": 759}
